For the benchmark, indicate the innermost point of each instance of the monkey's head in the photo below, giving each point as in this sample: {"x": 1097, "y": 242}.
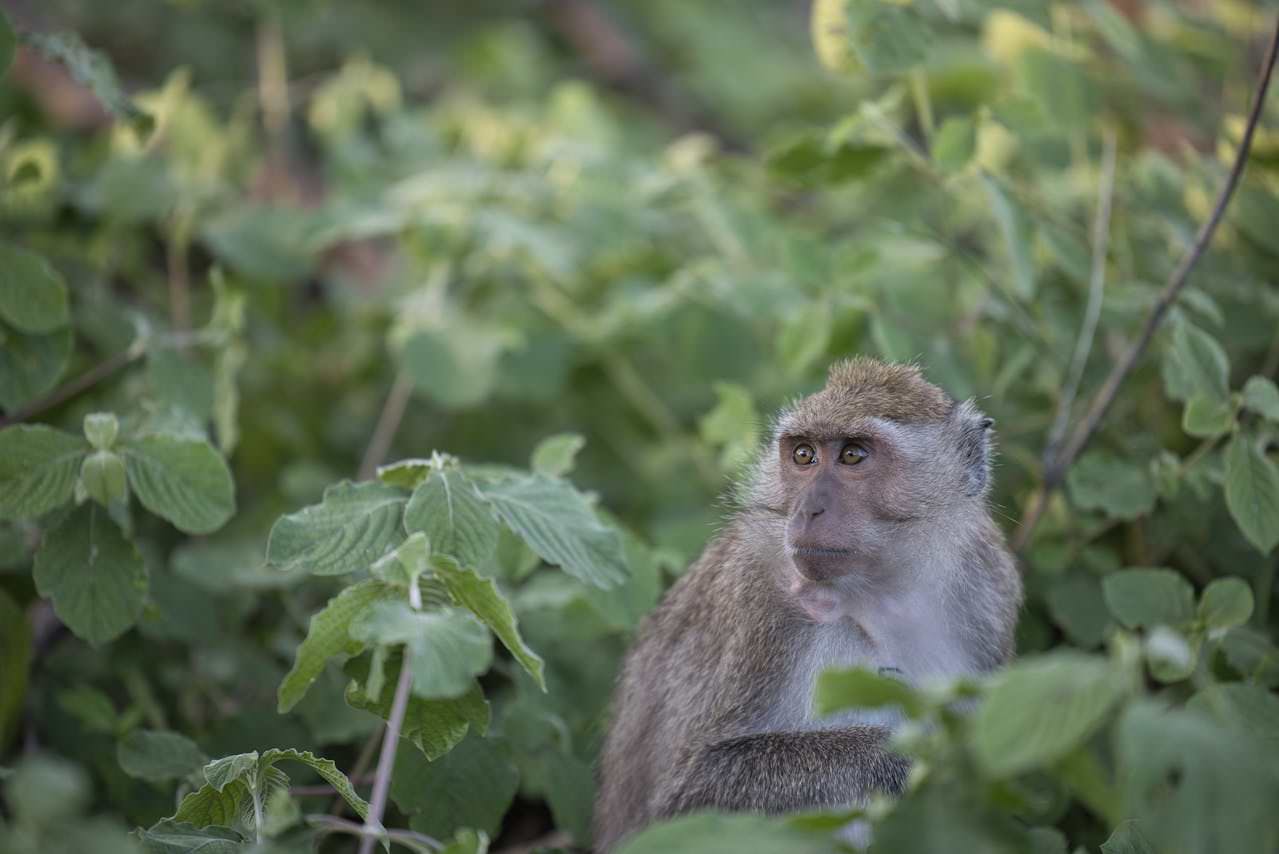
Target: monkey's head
{"x": 865, "y": 470}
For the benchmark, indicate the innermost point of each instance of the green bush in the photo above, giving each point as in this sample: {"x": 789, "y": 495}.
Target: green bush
{"x": 566, "y": 298}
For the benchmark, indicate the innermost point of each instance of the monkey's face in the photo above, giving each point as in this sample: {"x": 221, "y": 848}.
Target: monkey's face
{"x": 849, "y": 495}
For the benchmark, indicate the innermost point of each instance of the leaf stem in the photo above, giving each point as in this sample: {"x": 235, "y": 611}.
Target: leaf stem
{"x": 1055, "y": 472}
{"x": 373, "y": 829}
{"x": 397, "y": 400}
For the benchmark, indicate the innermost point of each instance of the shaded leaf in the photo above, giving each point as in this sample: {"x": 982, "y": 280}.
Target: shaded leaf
{"x": 30, "y": 365}
{"x": 1252, "y": 492}
{"x": 1226, "y": 603}
{"x": 33, "y": 296}
{"x": 38, "y": 469}
{"x": 470, "y": 787}
{"x": 1120, "y": 488}
{"x": 354, "y": 525}
{"x": 481, "y": 597}
{"x": 93, "y": 575}
{"x": 449, "y": 646}
{"x": 1261, "y": 395}
{"x": 183, "y": 480}
{"x": 158, "y": 755}
{"x": 1143, "y": 598}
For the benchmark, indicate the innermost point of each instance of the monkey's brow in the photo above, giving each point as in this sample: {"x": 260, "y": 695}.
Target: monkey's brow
{"x": 820, "y": 432}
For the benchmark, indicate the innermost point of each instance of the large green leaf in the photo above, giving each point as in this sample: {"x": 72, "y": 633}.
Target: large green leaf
{"x": 184, "y": 480}
{"x": 1196, "y": 786}
{"x": 1241, "y": 707}
{"x": 1040, "y": 709}
{"x": 1252, "y": 492}
{"x": 434, "y": 726}
{"x": 1060, "y": 86}
{"x": 449, "y": 647}
{"x": 38, "y": 469}
{"x": 329, "y": 636}
{"x": 471, "y": 786}
{"x": 327, "y": 770}
{"x": 1226, "y": 603}
{"x": 481, "y": 597}
{"x": 1143, "y": 598}
{"x": 1195, "y": 365}
{"x": 457, "y": 520}
{"x": 1261, "y": 395}
{"x": 859, "y": 688}
{"x": 93, "y": 575}
{"x": 455, "y": 366}
{"x": 354, "y": 525}
{"x": 30, "y": 365}
{"x": 159, "y": 755}
{"x": 1118, "y": 487}
{"x": 557, "y": 523}
{"x": 33, "y": 296}
{"x": 175, "y": 837}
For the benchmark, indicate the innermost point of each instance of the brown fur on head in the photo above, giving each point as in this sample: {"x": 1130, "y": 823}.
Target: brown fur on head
{"x": 861, "y": 387}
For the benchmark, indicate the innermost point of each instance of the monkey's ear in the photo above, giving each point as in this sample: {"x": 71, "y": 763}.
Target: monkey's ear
{"x": 974, "y": 428}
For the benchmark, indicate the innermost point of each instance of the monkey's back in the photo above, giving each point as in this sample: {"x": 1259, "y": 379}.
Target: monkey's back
{"x": 682, "y": 683}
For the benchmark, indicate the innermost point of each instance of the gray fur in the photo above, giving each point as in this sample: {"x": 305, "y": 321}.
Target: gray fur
{"x": 713, "y": 705}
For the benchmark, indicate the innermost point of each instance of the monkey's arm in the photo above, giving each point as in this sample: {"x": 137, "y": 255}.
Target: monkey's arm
{"x": 779, "y": 772}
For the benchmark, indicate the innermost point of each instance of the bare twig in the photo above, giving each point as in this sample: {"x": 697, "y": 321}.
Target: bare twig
{"x": 362, "y": 761}
{"x": 410, "y": 839}
{"x": 390, "y": 742}
{"x": 1096, "y": 291}
{"x": 397, "y": 400}
{"x": 1055, "y": 472}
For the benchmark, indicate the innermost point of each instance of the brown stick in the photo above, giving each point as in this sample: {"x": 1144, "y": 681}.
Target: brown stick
{"x": 1055, "y": 472}
{"x": 397, "y": 400}
{"x": 85, "y": 381}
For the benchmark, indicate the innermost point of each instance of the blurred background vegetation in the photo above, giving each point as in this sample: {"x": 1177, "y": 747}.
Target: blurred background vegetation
{"x": 471, "y": 226}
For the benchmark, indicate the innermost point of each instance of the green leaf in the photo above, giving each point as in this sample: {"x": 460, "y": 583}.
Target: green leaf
{"x": 175, "y": 837}
{"x": 1015, "y": 231}
{"x": 222, "y": 772}
{"x": 1060, "y": 86}
{"x": 449, "y": 646}
{"x": 259, "y": 242}
{"x": 955, "y": 144}
{"x": 406, "y": 474}
{"x": 15, "y": 664}
{"x": 1242, "y": 708}
{"x": 859, "y": 688}
{"x": 8, "y": 44}
{"x": 888, "y": 38}
{"x": 712, "y": 833}
{"x": 181, "y": 479}
{"x": 1128, "y": 839}
{"x": 38, "y": 469}
{"x": 30, "y": 365}
{"x": 471, "y": 786}
{"x": 1078, "y": 606}
{"x": 102, "y": 478}
{"x": 1208, "y": 418}
{"x": 93, "y": 575}
{"x": 481, "y": 597}
{"x": 804, "y": 336}
{"x": 354, "y": 525}
{"x": 1120, "y": 488}
{"x": 327, "y": 770}
{"x": 455, "y": 366}
{"x": 329, "y": 636}
{"x": 1253, "y": 655}
{"x": 733, "y": 424}
{"x": 1261, "y": 395}
{"x": 1252, "y": 492}
{"x": 1194, "y": 784}
{"x": 1195, "y": 365}
{"x": 211, "y": 806}
{"x": 1144, "y": 598}
{"x": 158, "y": 755}
{"x": 434, "y": 726}
{"x": 1042, "y": 708}
{"x": 448, "y": 508}
{"x": 557, "y": 523}
{"x": 554, "y": 456}
{"x": 181, "y": 380}
{"x": 101, "y": 429}
{"x": 1226, "y": 603}
{"x": 33, "y": 296}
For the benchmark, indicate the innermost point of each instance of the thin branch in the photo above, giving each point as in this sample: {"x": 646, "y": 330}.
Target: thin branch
{"x": 1055, "y": 473}
{"x": 397, "y": 400}
{"x": 362, "y": 761}
{"x": 84, "y": 382}
{"x": 410, "y": 839}
{"x": 1096, "y": 291}
{"x": 178, "y": 243}
{"x": 390, "y": 741}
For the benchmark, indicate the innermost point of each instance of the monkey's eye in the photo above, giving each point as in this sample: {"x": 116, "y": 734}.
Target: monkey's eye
{"x": 852, "y": 454}
{"x": 804, "y": 455}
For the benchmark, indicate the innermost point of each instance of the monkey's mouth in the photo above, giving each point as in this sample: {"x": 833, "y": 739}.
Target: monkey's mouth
{"x": 822, "y": 563}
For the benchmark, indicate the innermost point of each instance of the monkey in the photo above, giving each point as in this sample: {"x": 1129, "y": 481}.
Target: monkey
{"x": 862, "y": 536}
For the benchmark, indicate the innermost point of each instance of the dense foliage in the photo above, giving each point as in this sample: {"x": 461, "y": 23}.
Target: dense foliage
{"x": 564, "y": 278}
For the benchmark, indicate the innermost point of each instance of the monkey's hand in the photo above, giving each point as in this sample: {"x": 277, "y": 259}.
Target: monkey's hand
{"x": 785, "y": 771}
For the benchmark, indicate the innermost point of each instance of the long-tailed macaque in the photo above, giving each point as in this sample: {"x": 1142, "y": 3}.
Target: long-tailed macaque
{"x": 862, "y": 537}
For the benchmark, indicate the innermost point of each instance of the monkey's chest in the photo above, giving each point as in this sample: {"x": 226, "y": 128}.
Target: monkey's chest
{"x": 910, "y": 652}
